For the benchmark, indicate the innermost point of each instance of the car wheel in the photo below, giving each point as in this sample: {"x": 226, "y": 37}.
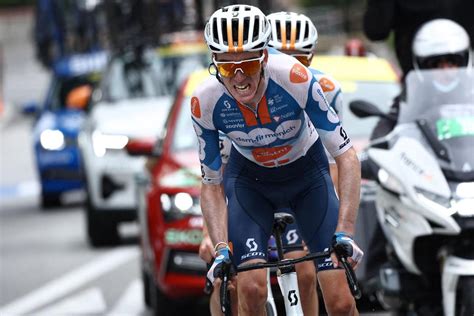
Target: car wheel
{"x": 100, "y": 232}
{"x": 160, "y": 304}
{"x": 49, "y": 200}
{"x": 146, "y": 287}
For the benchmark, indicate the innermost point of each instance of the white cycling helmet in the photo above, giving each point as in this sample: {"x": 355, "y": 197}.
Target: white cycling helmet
{"x": 237, "y": 28}
{"x": 292, "y": 31}
{"x": 441, "y": 38}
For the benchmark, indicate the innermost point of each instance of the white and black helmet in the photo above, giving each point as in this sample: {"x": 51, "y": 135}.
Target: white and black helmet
{"x": 237, "y": 28}
{"x": 292, "y": 31}
{"x": 441, "y": 38}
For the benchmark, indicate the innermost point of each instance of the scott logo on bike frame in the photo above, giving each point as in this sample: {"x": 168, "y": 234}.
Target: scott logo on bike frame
{"x": 293, "y": 298}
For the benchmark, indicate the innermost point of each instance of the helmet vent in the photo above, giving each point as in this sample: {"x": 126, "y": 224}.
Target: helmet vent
{"x": 278, "y": 30}
{"x": 246, "y": 27}
{"x": 255, "y": 29}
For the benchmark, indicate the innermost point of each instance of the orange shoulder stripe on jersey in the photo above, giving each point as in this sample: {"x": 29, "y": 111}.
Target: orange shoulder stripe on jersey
{"x": 249, "y": 116}
{"x": 293, "y": 35}
{"x": 263, "y": 113}
{"x": 230, "y": 39}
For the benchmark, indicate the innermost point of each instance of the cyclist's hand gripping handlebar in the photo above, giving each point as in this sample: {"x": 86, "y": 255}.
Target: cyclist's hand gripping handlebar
{"x": 345, "y": 247}
{"x": 223, "y": 258}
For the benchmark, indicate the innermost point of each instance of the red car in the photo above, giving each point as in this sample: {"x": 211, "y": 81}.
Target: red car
{"x": 169, "y": 212}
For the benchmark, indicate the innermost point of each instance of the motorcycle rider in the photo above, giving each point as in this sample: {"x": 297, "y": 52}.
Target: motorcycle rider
{"x": 438, "y": 44}
{"x": 266, "y": 149}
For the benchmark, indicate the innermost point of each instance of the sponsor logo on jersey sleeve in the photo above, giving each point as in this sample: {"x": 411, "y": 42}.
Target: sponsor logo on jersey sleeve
{"x": 298, "y": 74}
{"x": 195, "y": 107}
{"x": 326, "y": 84}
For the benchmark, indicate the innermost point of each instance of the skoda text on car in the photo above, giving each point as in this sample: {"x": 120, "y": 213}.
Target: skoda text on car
{"x": 133, "y": 102}
{"x": 59, "y": 121}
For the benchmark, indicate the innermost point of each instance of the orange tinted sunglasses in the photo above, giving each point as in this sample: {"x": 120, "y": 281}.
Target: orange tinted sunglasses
{"x": 305, "y": 59}
{"x": 249, "y": 67}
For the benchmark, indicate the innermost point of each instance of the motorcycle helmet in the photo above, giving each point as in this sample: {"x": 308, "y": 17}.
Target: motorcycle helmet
{"x": 441, "y": 40}
{"x": 237, "y": 28}
{"x": 292, "y": 31}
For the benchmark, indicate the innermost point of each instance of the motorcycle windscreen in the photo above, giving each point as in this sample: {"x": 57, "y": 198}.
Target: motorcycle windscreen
{"x": 444, "y": 100}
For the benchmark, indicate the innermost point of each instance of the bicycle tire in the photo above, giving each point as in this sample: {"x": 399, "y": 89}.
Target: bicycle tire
{"x": 269, "y": 309}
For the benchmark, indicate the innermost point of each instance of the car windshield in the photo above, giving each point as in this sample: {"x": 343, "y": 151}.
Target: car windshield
{"x": 184, "y": 137}
{"x": 151, "y": 73}
{"x": 63, "y": 86}
{"x": 444, "y": 101}
{"x": 377, "y": 93}
{"x": 134, "y": 75}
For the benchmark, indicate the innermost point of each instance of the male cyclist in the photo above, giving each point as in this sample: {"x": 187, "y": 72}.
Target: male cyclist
{"x": 288, "y": 31}
{"x": 275, "y": 113}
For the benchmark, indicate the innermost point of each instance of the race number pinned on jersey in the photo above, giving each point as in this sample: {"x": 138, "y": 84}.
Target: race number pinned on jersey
{"x": 195, "y": 107}
{"x": 298, "y": 74}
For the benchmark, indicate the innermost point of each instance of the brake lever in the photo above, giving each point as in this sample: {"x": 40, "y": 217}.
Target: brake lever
{"x": 350, "y": 275}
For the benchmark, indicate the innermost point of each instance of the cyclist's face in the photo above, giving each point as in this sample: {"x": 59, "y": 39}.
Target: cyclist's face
{"x": 242, "y": 79}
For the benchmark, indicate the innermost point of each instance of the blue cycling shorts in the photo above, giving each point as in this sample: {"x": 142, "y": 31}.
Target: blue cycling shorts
{"x": 255, "y": 193}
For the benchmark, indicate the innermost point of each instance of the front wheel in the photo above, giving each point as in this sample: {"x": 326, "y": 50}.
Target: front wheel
{"x": 146, "y": 278}
{"x": 160, "y": 304}
{"x": 269, "y": 309}
{"x": 49, "y": 200}
{"x": 465, "y": 298}
{"x": 100, "y": 231}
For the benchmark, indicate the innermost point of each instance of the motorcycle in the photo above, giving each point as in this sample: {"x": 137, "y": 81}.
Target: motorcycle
{"x": 424, "y": 170}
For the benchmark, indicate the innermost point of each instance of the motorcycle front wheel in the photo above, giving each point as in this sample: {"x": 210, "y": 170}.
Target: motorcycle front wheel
{"x": 465, "y": 298}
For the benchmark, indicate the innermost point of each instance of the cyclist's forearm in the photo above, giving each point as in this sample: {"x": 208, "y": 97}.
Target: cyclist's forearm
{"x": 349, "y": 190}
{"x": 214, "y": 210}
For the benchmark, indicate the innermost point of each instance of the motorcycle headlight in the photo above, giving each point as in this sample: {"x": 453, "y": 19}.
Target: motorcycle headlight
{"x": 52, "y": 139}
{"x": 435, "y": 201}
{"x": 465, "y": 190}
{"x": 101, "y": 142}
{"x": 464, "y": 207}
{"x": 389, "y": 182}
{"x": 177, "y": 206}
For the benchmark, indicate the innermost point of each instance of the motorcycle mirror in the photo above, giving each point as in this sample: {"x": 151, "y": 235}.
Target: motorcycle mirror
{"x": 362, "y": 109}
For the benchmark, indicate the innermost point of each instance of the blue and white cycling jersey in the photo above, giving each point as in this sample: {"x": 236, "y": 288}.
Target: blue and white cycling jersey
{"x": 332, "y": 92}
{"x": 291, "y": 116}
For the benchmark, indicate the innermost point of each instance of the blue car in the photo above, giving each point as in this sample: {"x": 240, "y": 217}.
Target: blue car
{"x": 58, "y": 123}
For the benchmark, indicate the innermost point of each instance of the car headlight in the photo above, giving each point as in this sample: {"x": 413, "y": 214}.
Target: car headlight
{"x": 177, "y": 206}
{"x": 389, "y": 182}
{"x": 52, "y": 139}
{"x": 101, "y": 142}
